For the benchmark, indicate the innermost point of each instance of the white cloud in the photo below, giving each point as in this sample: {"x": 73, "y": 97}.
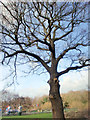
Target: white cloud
{"x": 74, "y": 82}
{"x": 32, "y": 92}
{"x": 70, "y": 82}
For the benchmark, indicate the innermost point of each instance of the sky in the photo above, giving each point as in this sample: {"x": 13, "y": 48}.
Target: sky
{"x": 36, "y": 85}
{"x": 50, "y": 0}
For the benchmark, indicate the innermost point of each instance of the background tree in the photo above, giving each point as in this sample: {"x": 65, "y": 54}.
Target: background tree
{"x": 14, "y": 100}
{"x": 48, "y": 34}
{"x": 8, "y": 96}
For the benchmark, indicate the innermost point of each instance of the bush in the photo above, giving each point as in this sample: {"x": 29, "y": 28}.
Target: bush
{"x": 46, "y": 106}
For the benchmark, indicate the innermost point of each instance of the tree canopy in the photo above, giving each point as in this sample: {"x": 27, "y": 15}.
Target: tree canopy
{"x": 33, "y": 32}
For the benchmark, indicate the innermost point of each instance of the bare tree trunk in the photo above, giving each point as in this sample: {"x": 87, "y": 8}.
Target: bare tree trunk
{"x": 56, "y": 100}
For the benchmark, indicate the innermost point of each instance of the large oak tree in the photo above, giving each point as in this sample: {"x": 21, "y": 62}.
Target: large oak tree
{"x": 46, "y": 33}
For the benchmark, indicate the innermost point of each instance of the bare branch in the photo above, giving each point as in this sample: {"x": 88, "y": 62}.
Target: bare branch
{"x": 30, "y": 54}
{"x": 72, "y": 68}
{"x": 39, "y": 29}
{"x": 8, "y": 10}
{"x": 68, "y": 49}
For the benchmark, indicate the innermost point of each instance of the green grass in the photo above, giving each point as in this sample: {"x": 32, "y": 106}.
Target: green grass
{"x": 40, "y": 115}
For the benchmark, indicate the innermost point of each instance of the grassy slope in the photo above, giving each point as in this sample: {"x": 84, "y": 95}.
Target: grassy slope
{"x": 41, "y": 115}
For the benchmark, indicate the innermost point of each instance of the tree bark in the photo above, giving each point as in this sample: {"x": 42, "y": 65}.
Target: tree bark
{"x": 54, "y": 93}
{"x": 56, "y": 100}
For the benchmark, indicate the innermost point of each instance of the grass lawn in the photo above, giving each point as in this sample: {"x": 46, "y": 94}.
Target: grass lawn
{"x": 40, "y": 115}
{"x": 69, "y": 114}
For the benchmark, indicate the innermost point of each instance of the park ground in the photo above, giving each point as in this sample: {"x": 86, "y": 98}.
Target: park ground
{"x": 75, "y": 103}
{"x": 68, "y": 114}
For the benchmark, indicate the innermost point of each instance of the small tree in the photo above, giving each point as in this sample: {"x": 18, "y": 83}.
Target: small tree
{"x": 46, "y": 33}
